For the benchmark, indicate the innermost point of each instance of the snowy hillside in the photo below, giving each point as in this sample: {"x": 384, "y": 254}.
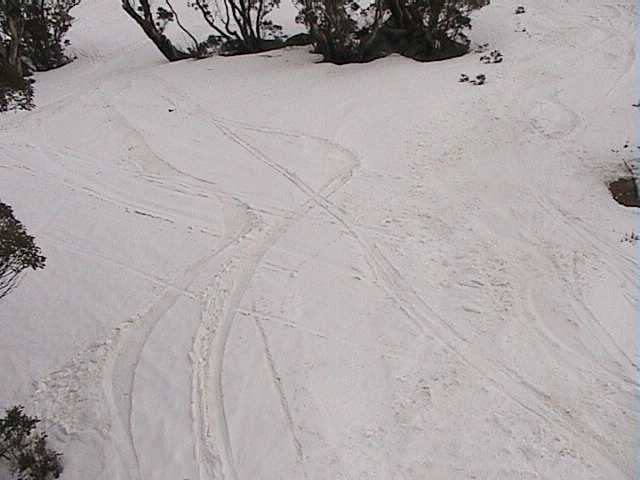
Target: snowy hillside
{"x": 266, "y": 268}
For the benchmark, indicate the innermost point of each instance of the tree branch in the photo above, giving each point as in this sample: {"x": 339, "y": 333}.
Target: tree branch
{"x": 175, "y": 15}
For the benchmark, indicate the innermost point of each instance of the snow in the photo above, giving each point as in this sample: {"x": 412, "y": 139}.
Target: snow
{"x": 263, "y": 267}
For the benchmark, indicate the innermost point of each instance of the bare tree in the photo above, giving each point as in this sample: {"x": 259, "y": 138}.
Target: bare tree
{"x": 140, "y": 11}
{"x": 171, "y": 14}
{"x": 242, "y": 25}
{"x": 239, "y": 26}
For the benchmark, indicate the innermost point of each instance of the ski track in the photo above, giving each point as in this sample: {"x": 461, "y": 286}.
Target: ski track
{"x": 284, "y": 404}
{"x": 575, "y": 226}
{"x": 121, "y": 368}
{"x": 422, "y": 314}
{"x": 217, "y": 321}
{"x": 213, "y": 367}
{"x": 130, "y": 343}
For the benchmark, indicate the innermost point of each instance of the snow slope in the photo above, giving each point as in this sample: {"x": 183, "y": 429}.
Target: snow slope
{"x": 266, "y": 268}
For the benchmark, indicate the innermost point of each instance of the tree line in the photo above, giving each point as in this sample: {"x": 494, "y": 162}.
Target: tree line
{"x": 342, "y": 31}
{"x": 32, "y": 32}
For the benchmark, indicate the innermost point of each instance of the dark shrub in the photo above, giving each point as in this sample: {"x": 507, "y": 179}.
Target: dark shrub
{"x": 18, "y": 250}
{"x": 25, "y": 451}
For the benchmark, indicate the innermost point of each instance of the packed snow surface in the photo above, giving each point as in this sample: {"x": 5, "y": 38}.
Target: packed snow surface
{"x": 263, "y": 267}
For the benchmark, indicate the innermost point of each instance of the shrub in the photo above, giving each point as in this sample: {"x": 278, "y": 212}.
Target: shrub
{"x": 344, "y": 32}
{"x": 17, "y": 250}
{"x": 24, "y": 450}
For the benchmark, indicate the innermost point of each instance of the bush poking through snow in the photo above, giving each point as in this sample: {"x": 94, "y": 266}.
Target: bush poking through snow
{"x": 479, "y": 80}
{"x": 25, "y": 451}
{"x": 494, "y": 57}
{"x": 18, "y": 251}
{"x": 631, "y": 238}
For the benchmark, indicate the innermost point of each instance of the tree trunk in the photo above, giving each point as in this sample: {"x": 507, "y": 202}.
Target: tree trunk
{"x": 15, "y": 32}
{"x": 148, "y": 26}
{"x": 196, "y": 45}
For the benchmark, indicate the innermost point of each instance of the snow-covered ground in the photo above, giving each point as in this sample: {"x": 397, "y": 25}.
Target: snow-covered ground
{"x": 266, "y": 268}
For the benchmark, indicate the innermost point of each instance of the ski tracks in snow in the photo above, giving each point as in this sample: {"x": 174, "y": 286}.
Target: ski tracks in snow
{"x": 226, "y": 293}
{"x": 424, "y": 318}
{"x": 112, "y": 365}
{"x": 212, "y": 336}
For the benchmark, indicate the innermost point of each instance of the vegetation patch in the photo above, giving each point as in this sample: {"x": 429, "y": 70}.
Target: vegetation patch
{"x": 625, "y": 191}
{"x": 32, "y": 39}
{"x": 345, "y": 32}
{"x": 342, "y": 31}
{"x": 24, "y": 450}
{"x": 18, "y": 251}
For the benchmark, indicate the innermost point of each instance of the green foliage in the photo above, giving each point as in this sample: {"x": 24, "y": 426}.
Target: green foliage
{"x": 36, "y": 30}
{"x": 333, "y": 25}
{"x": 31, "y": 38}
{"x": 18, "y": 250}
{"x": 346, "y": 31}
{"x": 25, "y": 451}
{"x": 46, "y": 24}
